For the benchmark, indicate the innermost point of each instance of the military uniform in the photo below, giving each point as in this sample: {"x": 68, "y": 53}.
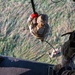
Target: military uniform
{"x": 38, "y": 26}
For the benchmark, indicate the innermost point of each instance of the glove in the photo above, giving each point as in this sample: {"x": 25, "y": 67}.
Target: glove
{"x": 33, "y": 15}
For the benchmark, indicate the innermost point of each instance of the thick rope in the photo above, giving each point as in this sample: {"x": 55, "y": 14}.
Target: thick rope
{"x": 33, "y": 6}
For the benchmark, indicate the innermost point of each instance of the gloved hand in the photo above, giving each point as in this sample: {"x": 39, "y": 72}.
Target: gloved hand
{"x": 33, "y": 15}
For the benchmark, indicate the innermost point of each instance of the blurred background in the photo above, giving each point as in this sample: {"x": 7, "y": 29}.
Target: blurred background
{"x": 15, "y": 38}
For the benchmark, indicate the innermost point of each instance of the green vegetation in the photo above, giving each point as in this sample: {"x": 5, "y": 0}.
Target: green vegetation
{"x": 15, "y": 39}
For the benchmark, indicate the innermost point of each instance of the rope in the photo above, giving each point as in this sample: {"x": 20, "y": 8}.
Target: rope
{"x": 49, "y": 44}
{"x": 52, "y": 47}
{"x": 33, "y": 6}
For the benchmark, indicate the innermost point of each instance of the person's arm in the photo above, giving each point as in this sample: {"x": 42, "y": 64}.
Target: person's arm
{"x": 31, "y": 17}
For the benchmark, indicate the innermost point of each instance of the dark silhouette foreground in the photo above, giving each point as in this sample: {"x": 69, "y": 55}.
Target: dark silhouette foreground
{"x": 13, "y": 66}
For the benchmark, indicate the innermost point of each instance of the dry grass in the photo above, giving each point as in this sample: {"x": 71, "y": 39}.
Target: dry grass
{"x": 15, "y": 39}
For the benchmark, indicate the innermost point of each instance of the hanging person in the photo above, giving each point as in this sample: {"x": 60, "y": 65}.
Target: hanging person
{"x": 38, "y": 26}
